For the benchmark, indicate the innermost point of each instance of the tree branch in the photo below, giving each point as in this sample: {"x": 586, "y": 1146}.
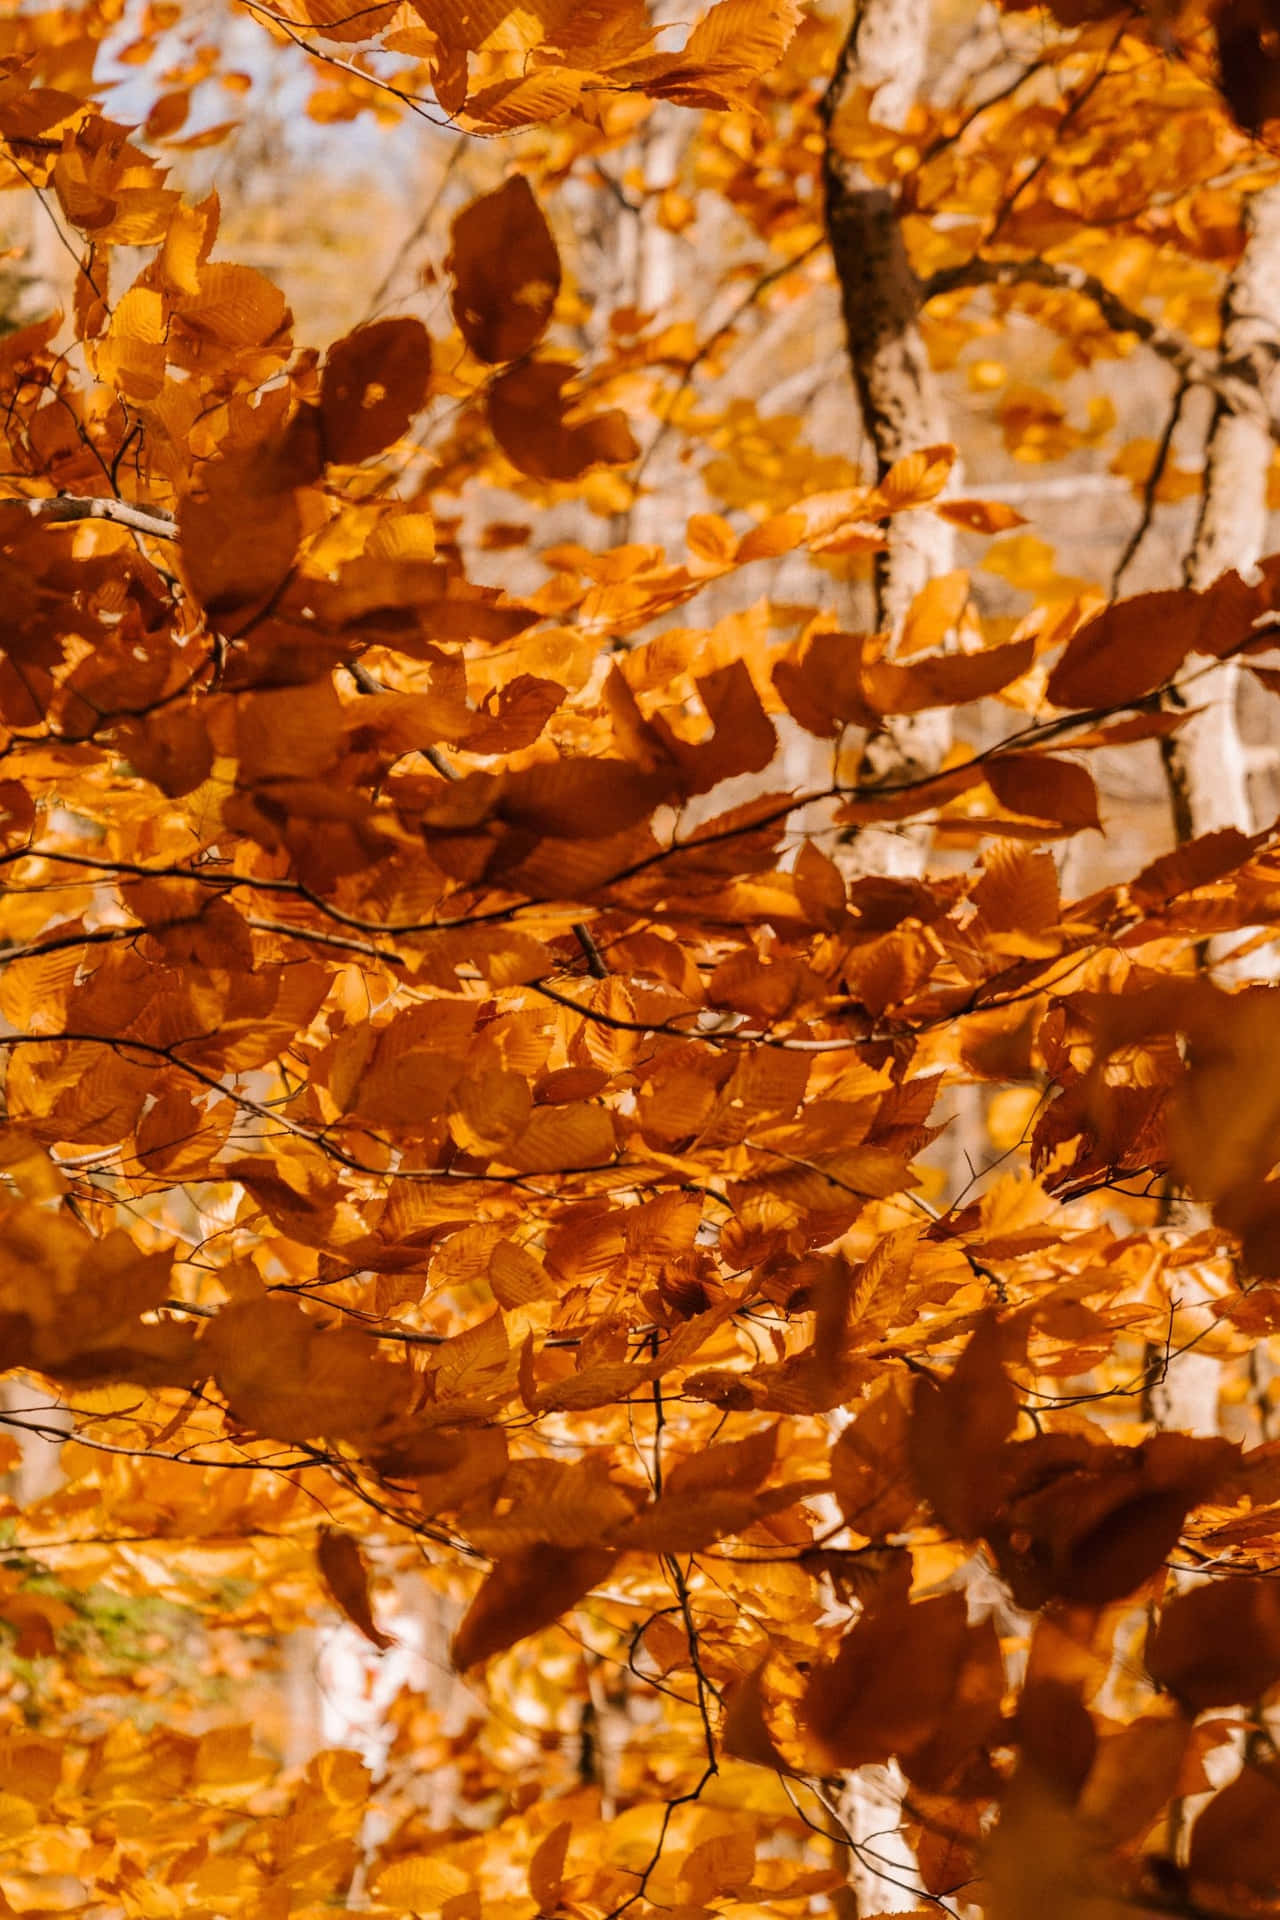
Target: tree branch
{"x": 1234, "y": 383}
{"x": 69, "y": 506}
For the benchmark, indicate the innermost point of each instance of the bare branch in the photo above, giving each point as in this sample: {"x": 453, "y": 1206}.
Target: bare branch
{"x": 1235, "y": 386}
{"x": 69, "y": 506}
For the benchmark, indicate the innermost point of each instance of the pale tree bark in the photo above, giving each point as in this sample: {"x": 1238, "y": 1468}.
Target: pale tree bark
{"x": 1206, "y": 763}
{"x": 879, "y": 291}
{"x": 885, "y": 51}
{"x": 652, "y": 280}
{"x": 901, "y": 407}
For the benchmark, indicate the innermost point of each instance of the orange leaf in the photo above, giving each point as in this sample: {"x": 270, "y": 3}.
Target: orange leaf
{"x": 1043, "y": 788}
{"x": 543, "y": 435}
{"x": 981, "y": 516}
{"x": 347, "y": 1578}
{"x": 546, "y": 1867}
{"x": 506, "y": 272}
{"x": 374, "y": 382}
{"x": 935, "y": 610}
{"x": 525, "y": 1592}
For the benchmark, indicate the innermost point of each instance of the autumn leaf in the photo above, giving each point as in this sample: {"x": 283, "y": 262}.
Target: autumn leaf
{"x": 891, "y": 1688}
{"x": 948, "y": 680}
{"x": 570, "y": 1033}
{"x": 343, "y": 1569}
{"x": 373, "y": 384}
{"x": 959, "y": 1429}
{"x": 524, "y": 1593}
{"x": 1217, "y": 1645}
{"x": 1043, "y": 787}
{"x": 506, "y": 272}
{"x": 548, "y": 437}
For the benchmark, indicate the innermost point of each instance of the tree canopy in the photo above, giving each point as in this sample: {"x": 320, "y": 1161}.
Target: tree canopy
{"x": 577, "y": 1037}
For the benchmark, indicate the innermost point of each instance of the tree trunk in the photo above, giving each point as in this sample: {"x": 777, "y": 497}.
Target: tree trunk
{"x": 902, "y": 412}
{"x": 901, "y": 407}
{"x": 1205, "y": 763}
{"x": 879, "y": 291}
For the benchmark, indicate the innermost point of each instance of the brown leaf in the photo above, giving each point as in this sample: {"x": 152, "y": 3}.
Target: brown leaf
{"x": 743, "y": 742}
{"x": 945, "y": 679}
{"x": 1249, "y": 62}
{"x": 1194, "y": 864}
{"x": 1043, "y": 788}
{"x": 1090, "y": 1524}
{"x": 506, "y": 272}
{"x": 374, "y": 382}
{"x": 745, "y": 1732}
{"x": 546, "y": 436}
{"x": 959, "y": 1427}
{"x": 1135, "y": 1774}
{"x": 526, "y": 1591}
{"x": 1126, "y": 651}
{"x": 1235, "y": 1842}
{"x": 1129, "y": 649}
{"x": 1224, "y": 1123}
{"x": 1219, "y": 1645}
{"x": 1044, "y": 1861}
{"x": 686, "y": 1521}
{"x": 890, "y": 1686}
{"x": 346, "y": 1576}
{"x": 870, "y": 1469}
{"x": 733, "y": 1465}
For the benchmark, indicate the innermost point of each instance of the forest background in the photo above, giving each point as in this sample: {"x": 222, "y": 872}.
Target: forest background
{"x": 639, "y": 1228}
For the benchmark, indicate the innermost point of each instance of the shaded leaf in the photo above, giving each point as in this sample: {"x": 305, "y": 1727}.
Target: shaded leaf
{"x": 346, "y": 1576}
{"x": 959, "y": 1427}
{"x": 1219, "y": 1644}
{"x": 374, "y": 382}
{"x": 1043, "y": 788}
{"x": 525, "y": 1592}
{"x": 544, "y": 435}
{"x": 506, "y": 272}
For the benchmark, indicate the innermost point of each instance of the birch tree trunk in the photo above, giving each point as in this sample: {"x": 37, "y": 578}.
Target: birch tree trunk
{"x": 1205, "y": 762}
{"x": 901, "y": 408}
{"x": 902, "y": 412}
{"x": 879, "y": 291}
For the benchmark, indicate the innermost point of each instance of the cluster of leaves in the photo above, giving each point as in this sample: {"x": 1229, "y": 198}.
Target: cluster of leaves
{"x": 446, "y": 1124}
